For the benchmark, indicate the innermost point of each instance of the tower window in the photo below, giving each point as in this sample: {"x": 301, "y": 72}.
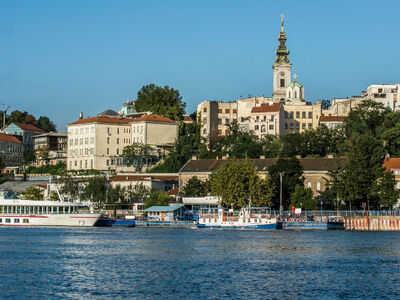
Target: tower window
{"x": 295, "y": 94}
{"x": 282, "y": 82}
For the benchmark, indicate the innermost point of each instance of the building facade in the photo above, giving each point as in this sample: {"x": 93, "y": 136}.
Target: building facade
{"x": 11, "y": 151}
{"x": 56, "y": 145}
{"x": 24, "y": 132}
{"x": 98, "y": 142}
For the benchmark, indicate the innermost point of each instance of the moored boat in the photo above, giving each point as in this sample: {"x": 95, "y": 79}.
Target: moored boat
{"x": 247, "y": 218}
{"x": 16, "y": 212}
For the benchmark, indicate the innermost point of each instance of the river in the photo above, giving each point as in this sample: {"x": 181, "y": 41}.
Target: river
{"x": 158, "y": 263}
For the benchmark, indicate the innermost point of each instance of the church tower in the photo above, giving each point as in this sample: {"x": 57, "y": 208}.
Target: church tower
{"x": 282, "y": 68}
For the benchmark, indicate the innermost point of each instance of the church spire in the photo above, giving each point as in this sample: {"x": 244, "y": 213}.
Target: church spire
{"x": 282, "y": 53}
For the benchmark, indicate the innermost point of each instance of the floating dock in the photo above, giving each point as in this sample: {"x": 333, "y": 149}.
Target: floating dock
{"x": 170, "y": 224}
{"x": 315, "y": 225}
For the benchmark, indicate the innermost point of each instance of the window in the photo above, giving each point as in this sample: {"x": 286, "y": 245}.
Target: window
{"x": 204, "y": 131}
{"x": 226, "y": 121}
{"x": 286, "y": 115}
{"x": 219, "y": 131}
{"x": 117, "y": 151}
{"x": 108, "y": 140}
{"x": 205, "y": 109}
{"x": 117, "y": 130}
{"x": 16, "y": 220}
{"x": 8, "y": 220}
{"x": 235, "y": 111}
{"x": 118, "y": 141}
{"x": 291, "y": 126}
{"x": 226, "y": 132}
{"x": 297, "y": 114}
{"x": 108, "y": 130}
{"x": 220, "y": 111}
{"x": 272, "y": 117}
{"x": 255, "y": 127}
{"x": 271, "y": 126}
{"x": 263, "y": 128}
{"x": 303, "y": 126}
{"x": 295, "y": 94}
{"x": 107, "y": 162}
{"x": 297, "y": 126}
{"x": 318, "y": 186}
{"x": 310, "y": 115}
{"x": 286, "y": 127}
{"x": 282, "y": 82}
{"x": 291, "y": 115}
{"x": 289, "y": 95}
{"x": 303, "y": 114}
{"x": 219, "y": 121}
{"x": 227, "y": 111}
{"x": 205, "y": 121}
{"x": 309, "y": 126}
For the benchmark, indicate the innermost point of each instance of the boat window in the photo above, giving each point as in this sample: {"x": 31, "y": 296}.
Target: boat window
{"x": 39, "y": 210}
{"x": 1, "y": 209}
{"x": 8, "y": 220}
{"x": 22, "y": 209}
{"x": 1, "y": 220}
{"x": 13, "y": 209}
{"x": 16, "y": 220}
{"x": 60, "y": 210}
{"x": 18, "y": 209}
{"x": 26, "y": 209}
{"x": 25, "y": 221}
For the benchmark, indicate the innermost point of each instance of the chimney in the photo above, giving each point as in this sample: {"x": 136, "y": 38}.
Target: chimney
{"x": 262, "y": 157}
{"x": 298, "y": 156}
{"x": 80, "y": 115}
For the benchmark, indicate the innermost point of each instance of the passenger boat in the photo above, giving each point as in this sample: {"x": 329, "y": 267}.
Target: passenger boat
{"x": 247, "y": 218}
{"x": 15, "y": 212}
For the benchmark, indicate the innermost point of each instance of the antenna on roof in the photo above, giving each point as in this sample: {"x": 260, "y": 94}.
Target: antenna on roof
{"x": 4, "y": 108}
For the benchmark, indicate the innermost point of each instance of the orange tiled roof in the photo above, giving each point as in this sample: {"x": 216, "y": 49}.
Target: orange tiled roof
{"x": 187, "y": 119}
{"x": 9, "y": 138}
{"x": 102, "y": 119}
{"x": 267, "y": 107}
{"x": 391, "y": 163}
{"x": 144, "y": 177}
{"x": 26, "y": 127}
{"x": 331, "y": 118}
{"x": 153, "y": 118}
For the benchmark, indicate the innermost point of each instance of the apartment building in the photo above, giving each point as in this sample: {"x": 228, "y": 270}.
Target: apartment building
{"x": 266, "y": 119}
{"x": 98, "y": 142}
{"x": 11, "y": 151}
{"x": 24, "y": 132}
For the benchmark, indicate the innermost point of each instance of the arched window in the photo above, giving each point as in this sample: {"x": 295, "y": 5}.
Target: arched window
{"x": 295, "y": 94}
{"x": 204, "y": 131}
{"x": 290, "y": 95}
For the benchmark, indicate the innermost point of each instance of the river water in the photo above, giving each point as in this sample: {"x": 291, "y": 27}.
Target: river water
{"x": 157, "y": 263}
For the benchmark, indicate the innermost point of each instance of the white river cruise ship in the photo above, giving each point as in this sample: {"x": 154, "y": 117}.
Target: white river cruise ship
{"x": 15, "y": 212}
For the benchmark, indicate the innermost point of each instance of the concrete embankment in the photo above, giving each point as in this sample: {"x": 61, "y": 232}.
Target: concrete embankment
{"x": 372, "y": 223}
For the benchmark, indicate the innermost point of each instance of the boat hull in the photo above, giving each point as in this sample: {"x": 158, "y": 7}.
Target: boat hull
{"x": 239, "y": 226}
{"x": 76, "y": 220}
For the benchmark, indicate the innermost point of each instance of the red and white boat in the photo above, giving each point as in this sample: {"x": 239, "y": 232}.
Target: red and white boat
{"x": 15, "y": 212}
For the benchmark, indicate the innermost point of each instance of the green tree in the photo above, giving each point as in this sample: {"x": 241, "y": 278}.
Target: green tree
{"x": 303, "y": 197}
{"x": 292, "y": 171}
{"x": 96, "y": 190}
{"x": 54, "y": 196}
{"x": 138, "y": 193}
{"x": 33, "y": 193}
{"x": 42, "y": 153}
{"x": 116, "y": 194}
{"x": 237, "y": 182}
{"x": 164, "y": 101}
{"x": 157, "y": 198}
{"x": 194, "y": 188}
{"x": 137, "y": 155}
{"x": 45, "y": 124}
{"x": 387, "y": 194}
{"x": 69, "y": 186}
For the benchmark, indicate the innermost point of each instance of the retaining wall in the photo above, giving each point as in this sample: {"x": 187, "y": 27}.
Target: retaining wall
{"x": 381, "y": 223}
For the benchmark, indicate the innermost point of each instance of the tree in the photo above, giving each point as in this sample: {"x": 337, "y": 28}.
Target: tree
{"x": 96, "y": 190}
{"x": 303, "y": 197}
{"x": 137, "y": 155}
{"x": 54, "y": 196}
{"x": 137, "y": 193}
{"x": 164, "y": 101}
{"x": 237, "y": 182}
{"x": 29, "y": 156}
{"x": 325, "y": 104}
{"x": 69, "y": 186}
{"x": 33, "y": 193}
{"x": 116, "y": 194}
{"x": 42, "y": 153}
{"x": 292, "y": 171}
{"x": 157, "y": 198}
{"x": 387, "y": 194}
{"x": 45, "y": 124}
{"x": 193, "y": 188}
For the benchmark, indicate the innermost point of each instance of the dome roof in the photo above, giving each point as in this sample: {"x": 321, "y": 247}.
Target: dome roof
{"x": 295, "y": 83}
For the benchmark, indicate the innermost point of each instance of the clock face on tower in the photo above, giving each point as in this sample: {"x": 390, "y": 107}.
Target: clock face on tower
{"x": 282, "y": 74}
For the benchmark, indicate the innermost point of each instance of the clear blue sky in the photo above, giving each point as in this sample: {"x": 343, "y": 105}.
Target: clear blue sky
{"x": 58, "y": 58}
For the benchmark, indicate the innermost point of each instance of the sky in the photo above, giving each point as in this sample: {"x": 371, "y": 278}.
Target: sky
{"x": 59, "y": 58}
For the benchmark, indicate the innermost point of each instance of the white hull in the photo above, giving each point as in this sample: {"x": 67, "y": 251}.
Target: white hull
{"x": 80, "y": 220}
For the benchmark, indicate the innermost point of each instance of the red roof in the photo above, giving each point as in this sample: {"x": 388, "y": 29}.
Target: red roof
{"x": 102, "y": 119}
{"x": 331, "y": 119}
{"x": 26, "y": 127}
{"x": 187, "y": 119}
{"x": 9, "y": 138}
{"x": 173, "y": 192}
{"x": 391, "y": 163}
{"x": 153, "y": 118}
{"x": 144, "y": 177}
{"x": 267, "y": 107}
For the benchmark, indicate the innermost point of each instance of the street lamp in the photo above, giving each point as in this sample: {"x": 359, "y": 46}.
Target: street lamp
{"x": 280, "y": 192}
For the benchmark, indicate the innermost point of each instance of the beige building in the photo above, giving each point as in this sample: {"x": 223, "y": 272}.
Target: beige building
{"x": 11, "y": 151}
{"x": 267, "y": 119}
{"x": 97, "y": 142}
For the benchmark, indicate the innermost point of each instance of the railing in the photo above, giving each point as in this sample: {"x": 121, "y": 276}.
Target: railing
{"x": 343, "y": 213}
